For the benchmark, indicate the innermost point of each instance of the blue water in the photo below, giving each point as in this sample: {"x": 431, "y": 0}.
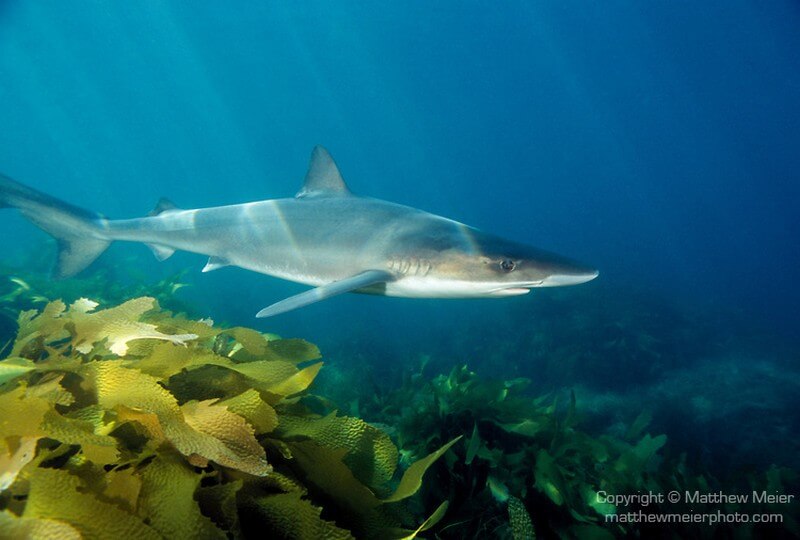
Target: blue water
{"x": 657, "y": 142}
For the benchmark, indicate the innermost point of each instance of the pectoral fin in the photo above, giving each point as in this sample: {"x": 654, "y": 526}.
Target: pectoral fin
{"x": 359, "y": 281}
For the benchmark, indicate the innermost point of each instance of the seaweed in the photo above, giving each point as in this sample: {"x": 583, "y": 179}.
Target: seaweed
{"x": 132, "y": 421}
{"x": 527, "y": 467}
{"x": 25, "y": 289}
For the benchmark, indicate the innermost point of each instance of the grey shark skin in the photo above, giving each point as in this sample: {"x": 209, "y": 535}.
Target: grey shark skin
{"x": 325, "y": 237}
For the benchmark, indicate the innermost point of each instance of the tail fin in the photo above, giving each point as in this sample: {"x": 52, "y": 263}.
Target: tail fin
{"x": 79, "y": 232}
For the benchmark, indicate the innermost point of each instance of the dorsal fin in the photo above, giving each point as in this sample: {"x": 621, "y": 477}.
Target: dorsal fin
{"x": 323, "y": 177}
{"x": 163, "y": 205}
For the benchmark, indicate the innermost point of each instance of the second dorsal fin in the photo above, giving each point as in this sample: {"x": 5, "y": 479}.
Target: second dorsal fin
{"x": 323, "y": 177}
{"x": 163, "y": 205}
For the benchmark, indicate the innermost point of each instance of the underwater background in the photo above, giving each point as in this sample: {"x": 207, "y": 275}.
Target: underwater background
{"x": 657, "y": 142}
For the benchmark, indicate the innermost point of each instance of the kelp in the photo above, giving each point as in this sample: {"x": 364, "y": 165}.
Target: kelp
{"x": 528, "y": 468}
{"x": 31, "y": 285}
{"x": 132, "y": 422}
{"x": 519, "y": 520}
{"x": 162, "y": 424}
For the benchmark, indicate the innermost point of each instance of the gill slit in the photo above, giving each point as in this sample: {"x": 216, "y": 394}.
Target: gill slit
{"x": 410, "y": 266}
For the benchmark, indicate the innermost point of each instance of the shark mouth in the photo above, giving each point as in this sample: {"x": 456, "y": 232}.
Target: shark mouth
{"x": 515, "y": 290}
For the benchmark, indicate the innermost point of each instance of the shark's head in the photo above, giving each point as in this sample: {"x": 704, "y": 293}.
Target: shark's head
{"x": 471, "y": 263}
{"x": 505, "y": 268}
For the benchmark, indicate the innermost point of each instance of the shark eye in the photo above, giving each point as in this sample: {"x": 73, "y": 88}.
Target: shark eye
{"x": 508, "y": 265}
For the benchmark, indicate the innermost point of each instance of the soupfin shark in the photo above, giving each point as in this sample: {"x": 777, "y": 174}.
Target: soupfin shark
{"x": 325, "y": 236}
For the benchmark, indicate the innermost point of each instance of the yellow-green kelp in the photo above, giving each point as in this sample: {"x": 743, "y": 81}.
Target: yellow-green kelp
{"x": 131, "y": 422}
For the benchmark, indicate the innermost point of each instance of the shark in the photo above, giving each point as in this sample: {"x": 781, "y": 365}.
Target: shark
{"x": 326, "y": 237}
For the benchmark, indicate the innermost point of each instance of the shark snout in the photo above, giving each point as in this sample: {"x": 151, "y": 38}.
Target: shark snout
{"x": 569, "y": 278}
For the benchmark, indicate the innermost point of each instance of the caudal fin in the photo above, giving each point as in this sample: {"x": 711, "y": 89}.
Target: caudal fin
{"x": 79, "y": 232}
